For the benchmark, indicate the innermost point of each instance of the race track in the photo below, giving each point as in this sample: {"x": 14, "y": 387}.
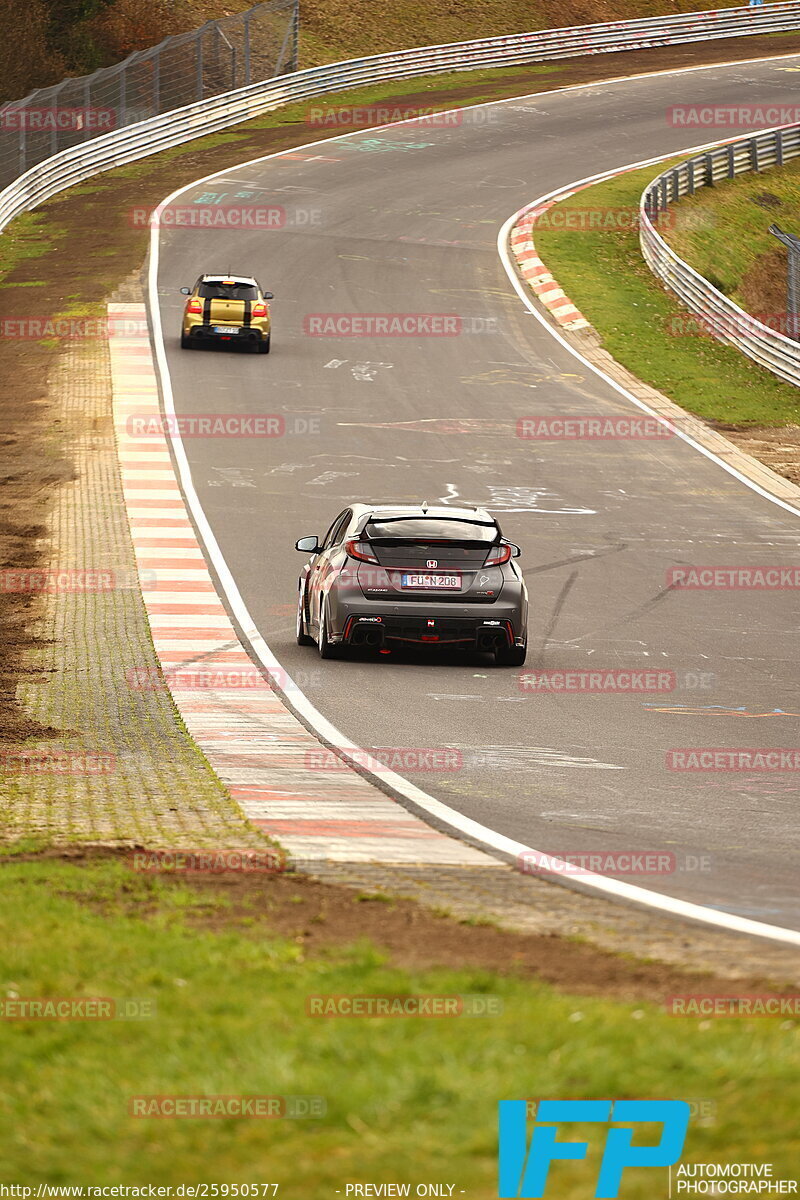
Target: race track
{"x": 405, "y": 220}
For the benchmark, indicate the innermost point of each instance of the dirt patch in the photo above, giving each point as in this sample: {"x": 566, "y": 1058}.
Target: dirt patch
{"x": 763, "y": 287}
{"x": 92, "y": 246}
{"x": 778, "y": 448}
{"x": 30, "y": 469}
{"x": 327, "y": 917}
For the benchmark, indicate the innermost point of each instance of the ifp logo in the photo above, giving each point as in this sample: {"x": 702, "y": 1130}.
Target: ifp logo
{"x": 524, "y": 1172}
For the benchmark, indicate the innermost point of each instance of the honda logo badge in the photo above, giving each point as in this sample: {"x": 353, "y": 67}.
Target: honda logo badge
{"x": 432, "y": 562}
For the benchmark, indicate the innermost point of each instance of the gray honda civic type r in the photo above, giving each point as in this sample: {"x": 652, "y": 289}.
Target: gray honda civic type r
{"x": 390, "y": 575}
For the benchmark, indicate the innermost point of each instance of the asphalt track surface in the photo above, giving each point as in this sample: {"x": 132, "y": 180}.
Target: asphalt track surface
{"x": 405, "y": 220}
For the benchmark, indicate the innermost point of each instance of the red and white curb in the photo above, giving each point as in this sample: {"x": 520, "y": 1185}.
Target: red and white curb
{"x": 536, "y": 274}
{"x": 314, "y": 804}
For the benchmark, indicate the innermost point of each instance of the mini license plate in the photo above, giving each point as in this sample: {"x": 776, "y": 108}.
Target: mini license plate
{"x": 450, "y": 582}
{"x": 226, "y": 328}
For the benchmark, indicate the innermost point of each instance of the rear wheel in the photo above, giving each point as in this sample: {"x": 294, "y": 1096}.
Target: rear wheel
{"x": 186, "y": 342}
{"x": 302, "y": 636}
{"x": 326, "y": 650}
{"x": 510, "y": 656}
{"x": 263, "y": 345}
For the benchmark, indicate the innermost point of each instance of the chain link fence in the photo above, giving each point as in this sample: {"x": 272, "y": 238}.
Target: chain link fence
{"x": 220, "y": 56}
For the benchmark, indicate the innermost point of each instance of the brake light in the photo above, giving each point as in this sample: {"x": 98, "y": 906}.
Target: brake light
{"x": 498, "y": 555}
{"x": 258, "y": 310}
{"x": 194, "y": 306}
{"x": 360, "y": 551}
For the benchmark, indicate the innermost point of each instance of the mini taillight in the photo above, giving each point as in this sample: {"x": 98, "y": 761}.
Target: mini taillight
{"x": 194, "y": 306}
{"x": 259, "y": 310}
{"x": 498, "y": 555}
{"x": 361, "y": 551}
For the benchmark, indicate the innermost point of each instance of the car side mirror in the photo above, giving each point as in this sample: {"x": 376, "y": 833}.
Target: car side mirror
{"x": 186, "y": 291}
{"x": 269, "y": 295}
{"x": 515, "y": 550}
{"x": 309, "y": 545}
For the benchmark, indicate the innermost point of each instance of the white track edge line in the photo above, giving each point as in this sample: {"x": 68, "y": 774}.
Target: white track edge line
{"x": 319, "y": 724}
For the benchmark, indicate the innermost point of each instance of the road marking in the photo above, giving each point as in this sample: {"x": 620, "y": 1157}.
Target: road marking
{"x": 329, "y": 476}
{"x": 233, "y": 477}
{"x": 365, "y": 372}
{"x": 527, "y": 500}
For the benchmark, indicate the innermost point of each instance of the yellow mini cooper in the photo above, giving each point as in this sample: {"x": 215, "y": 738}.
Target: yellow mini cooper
{"x": 230, "y": 309}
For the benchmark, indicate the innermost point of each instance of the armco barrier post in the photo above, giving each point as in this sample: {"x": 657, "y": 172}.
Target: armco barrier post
{"x": 792, "y": 244}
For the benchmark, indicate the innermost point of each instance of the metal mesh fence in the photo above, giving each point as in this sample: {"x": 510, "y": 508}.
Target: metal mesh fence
{"x": 221, "y": 55}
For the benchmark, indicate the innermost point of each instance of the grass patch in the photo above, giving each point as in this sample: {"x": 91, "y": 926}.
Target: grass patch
{"x": 723, "y": 231}
{"x": 332, "y": 29}
{"x": 31, "y": 235}
{"x": 644, "y": 327}
{"x": 230, "y": 1018}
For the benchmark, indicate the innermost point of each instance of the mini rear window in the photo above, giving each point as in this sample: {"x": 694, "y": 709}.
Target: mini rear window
{"x": 228, "y": 291}
{"x": 429, "y": 528}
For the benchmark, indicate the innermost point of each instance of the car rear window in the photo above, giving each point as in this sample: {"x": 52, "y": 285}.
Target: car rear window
{"x": 431, "y": 528}
{"x": 228, "y": 291}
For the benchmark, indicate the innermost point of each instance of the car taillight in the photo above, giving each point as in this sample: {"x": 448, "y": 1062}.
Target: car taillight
{"x": 361, "y": 551}
{"x": 259, "y": 310}
{"x": 194, "y": 306}
{"x": 498, "y": 555}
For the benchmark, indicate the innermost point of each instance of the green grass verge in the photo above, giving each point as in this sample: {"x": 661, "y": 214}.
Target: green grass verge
{"x": 407, "y": 1099}
{"x": 644, "y": 327}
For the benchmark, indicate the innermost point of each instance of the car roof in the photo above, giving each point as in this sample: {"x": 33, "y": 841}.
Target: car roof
{"x": 436, "y": 511}
{"x": 228, "y": 279}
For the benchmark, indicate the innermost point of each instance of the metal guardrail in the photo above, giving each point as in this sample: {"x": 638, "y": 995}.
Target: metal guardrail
{"x": 125, "y": 145}
{"x": 719, "y": 315}
{"x": 218, "y": 57}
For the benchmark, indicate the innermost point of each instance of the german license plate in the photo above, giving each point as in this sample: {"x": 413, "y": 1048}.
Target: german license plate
{"x": 226, "y": 328}
{"x": 451, "y": 582}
